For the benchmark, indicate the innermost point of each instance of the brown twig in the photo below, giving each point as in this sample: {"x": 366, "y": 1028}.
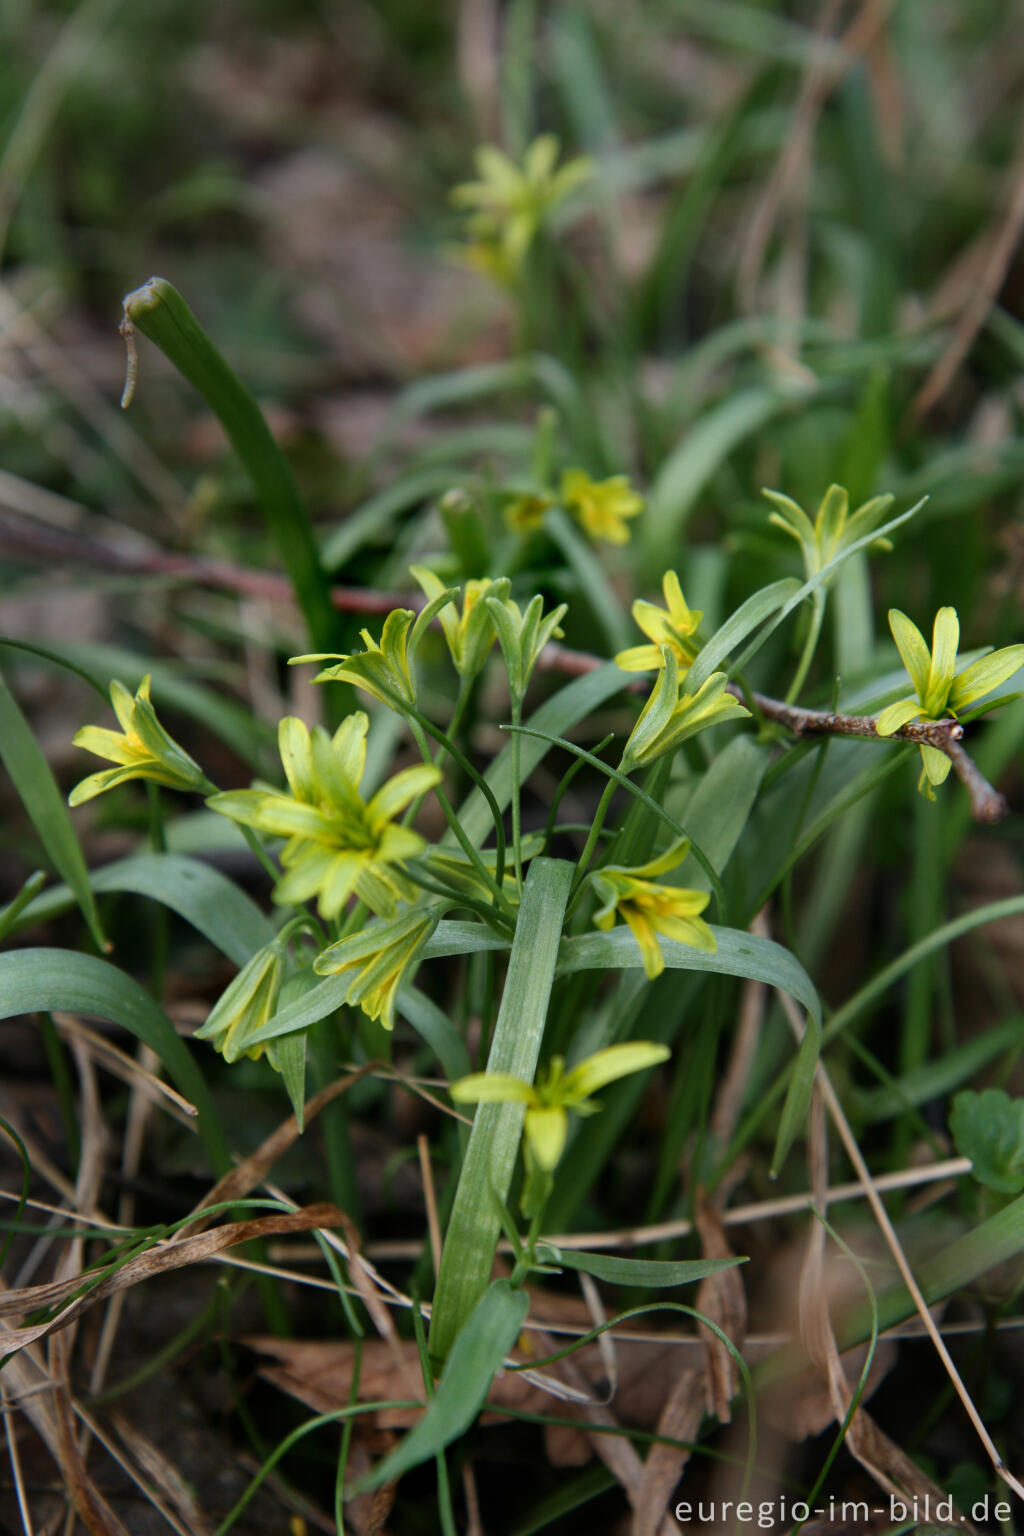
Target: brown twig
{"x": 987, "y": 804}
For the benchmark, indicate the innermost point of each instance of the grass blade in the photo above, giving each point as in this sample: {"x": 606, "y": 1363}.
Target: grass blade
{"x": 30, "y": 773}
{"x": 490, "y": 1159}
{"x": 160, "y": 312}
{"x": 213, "y": 904}
{"x": 40, "y": 980}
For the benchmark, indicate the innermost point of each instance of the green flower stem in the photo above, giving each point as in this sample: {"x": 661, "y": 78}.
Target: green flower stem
{"x": 159, "y": 312}
{"x": 490, "y": 1160}
{"x": 420, "y": 725}
{"x": 517, "y": 832}
{"x": 593, "y": 835}
{"x": 158, "y": 843}
{"x": 810, "y": 646}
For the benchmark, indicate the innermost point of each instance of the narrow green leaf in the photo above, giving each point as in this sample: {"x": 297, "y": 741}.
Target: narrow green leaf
{"x": 208, "y": 900}
{"x": 12, "y": 911}
{"x": 40, "y": 980}
{"x": 160, "y": 312}
{"x": 940, "y": 1076}
{"x": 437, "y": 1029}
{"x": 37, "y": 789}
{"x": 477, "y": 1354}
{"x": 737, "y": 627}
{"x": 959, "y": 1263}
{"x": 938, "y": 939}
{"x": 656, "y": 1274}
{"x": 489, "y": 1163}
{"x": 373, "y": 520}
{"x": 593, "y": 584}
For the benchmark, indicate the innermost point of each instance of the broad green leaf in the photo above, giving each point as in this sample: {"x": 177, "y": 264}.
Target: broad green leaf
{"x": 452, "y": 938}
{"x": 737, "y": 954}
{"x": 37, "y": 789}
{"x": 720, "y": 806}
{"x": 653, "y": 1273}
{"x": 989, "y": 1129}
{"x": 487, "y": 1169}
{"x": 477, "y": 1354}
{"x": 214, "y": 905}
{"x": 40, "y": 980}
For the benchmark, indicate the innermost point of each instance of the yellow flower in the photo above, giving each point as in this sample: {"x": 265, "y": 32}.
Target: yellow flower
{"x": 470, "y": 634}
{"x": 510, "y": 204}
{"x": 546, "y": 1124}
{"x": 385, "y": 668}
{"x": 673, "y": 625}
{"x": 670, "y": 717}
{"x": 338, "y": 843}
{"x": 602, "y": 506}
{"x": 143, "y": 751}
{"x": 382, "y": 955}
{"x": 941, "y": 692}
{"x": 650, "y": 909}
{"x": 834, "y": 528}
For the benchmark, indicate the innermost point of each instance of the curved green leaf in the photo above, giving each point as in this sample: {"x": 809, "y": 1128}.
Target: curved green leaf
{"x": 738, "y": 954}
{"x": 213, "y": 904}
{"x": 737, "y": 627}
{"x": 437, "y": 1029}
{"x": 653, "y": 1273}
{"x": 30, "y": 773}
{"x": 40, "y": 980}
